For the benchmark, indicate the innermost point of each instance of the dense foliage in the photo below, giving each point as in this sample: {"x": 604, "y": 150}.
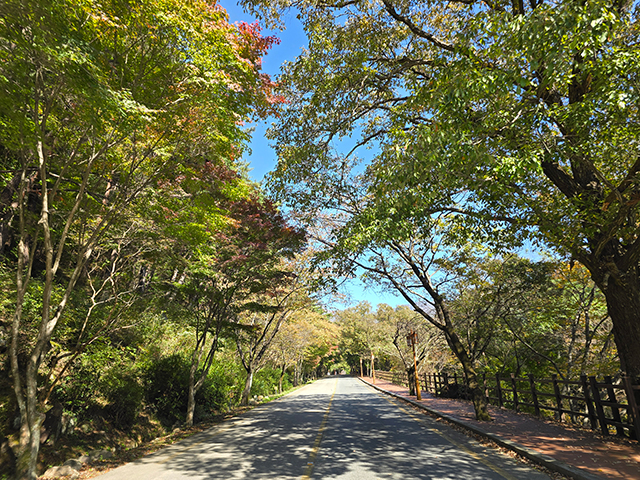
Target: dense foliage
{"x": 507, "y": 121}
{"x": 512, "y": 315}
{"x": 489, "y": 125}
{"x": 147, "y": 280}
{"x": 124, "y": 215}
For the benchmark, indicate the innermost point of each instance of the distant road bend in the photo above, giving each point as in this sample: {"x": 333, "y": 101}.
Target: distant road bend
{"x": 335, "y": 428}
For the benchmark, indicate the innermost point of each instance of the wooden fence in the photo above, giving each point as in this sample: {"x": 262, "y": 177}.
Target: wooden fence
{"x": 397, "y": 378}
{"x": 608, "y": 406}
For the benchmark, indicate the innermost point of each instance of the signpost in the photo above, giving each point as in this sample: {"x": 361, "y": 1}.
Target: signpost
{"x": 412, "y": 339}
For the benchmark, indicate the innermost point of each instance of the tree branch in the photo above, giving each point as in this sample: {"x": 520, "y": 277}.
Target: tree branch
{"x": 415, "y": 29}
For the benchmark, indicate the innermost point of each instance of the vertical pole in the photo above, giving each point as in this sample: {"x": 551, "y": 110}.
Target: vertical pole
{"x": 633, "y": 405}
{"x": 514, "y": 389}
{"x": 457, "y": 387}
{"x": 499, "y": 390}
{"x": 593, "y": 420}
{"x": 373, "y": 368}
{"x": 415, "y": 365}
{"x": 534, "y": 394}
{"x": 595, "y": 388}
{"x": 361, "y": 372}
{"x": 615, "y": 412}
{"x": 556, "y": 392}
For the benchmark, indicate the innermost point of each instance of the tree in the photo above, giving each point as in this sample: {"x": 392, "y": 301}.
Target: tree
{"x": 264, "y": 314}
{"x": 307, "y": 330}
{"x": 544, "y": 317}
{"x": 97, "y": 102}
{"x": 361, "y": 333}
{"x": 398, "y": 324}
{"x": 519, "y": 118}
{"x": 243, "y": 261}
{"x": 410, "y": 259}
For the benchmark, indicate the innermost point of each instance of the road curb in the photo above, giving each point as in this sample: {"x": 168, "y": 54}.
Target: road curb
{"x": 537, "y": 457}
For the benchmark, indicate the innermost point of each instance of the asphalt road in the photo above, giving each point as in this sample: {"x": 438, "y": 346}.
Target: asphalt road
{"x": 335, "y": 428}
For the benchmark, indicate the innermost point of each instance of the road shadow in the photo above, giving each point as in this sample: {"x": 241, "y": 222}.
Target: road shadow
{"x": 366, "y": 437}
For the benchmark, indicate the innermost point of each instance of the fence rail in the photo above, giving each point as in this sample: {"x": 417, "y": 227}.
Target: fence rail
{"x": 398, "y": 378}
{"x": 608, "y": 406}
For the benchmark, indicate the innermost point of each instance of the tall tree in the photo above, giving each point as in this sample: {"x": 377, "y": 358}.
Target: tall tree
{"x": 307, "y": 329}
{"x": 540, "y": 317}
{"x": 283, "y": 293}
{"x": 520, "y": 118}
{"x": 224, "y": 274}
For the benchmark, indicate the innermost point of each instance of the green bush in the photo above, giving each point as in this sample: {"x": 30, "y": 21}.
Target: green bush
{"x": 266, "y": 381}
{"x": 77, "y": 390}
{"x": 222, "y": 389}
{"x": 104, "y": 379}
{"x": 167, "y": 383}
{"x": 124, "y": 394}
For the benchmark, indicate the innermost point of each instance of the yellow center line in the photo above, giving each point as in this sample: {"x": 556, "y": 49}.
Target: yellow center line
{"x": 481, "y": 458}
{"x": 318, "y": 441}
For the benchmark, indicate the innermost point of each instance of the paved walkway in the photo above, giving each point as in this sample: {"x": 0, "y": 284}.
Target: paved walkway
{"x": 596, "y": 456}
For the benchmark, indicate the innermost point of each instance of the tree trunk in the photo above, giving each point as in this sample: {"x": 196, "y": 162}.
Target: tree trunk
{"x": 283, "y": 370}
{"x": 193, "y": 388}
{"x": 247, "y": 388}
{"x": 477, "y": 396}
{"x": 623, "y": 304}
{"x": 411, "y": 377}
{"x": 191, "y": 400}
{"x": 373, "y": 369}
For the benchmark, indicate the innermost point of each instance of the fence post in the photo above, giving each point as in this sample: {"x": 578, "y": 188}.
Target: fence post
{"x": 596, "y": 398}
{"x": 633, "y": 405}
{"x": 534, "y": 394}
{"x": 615, "y": 411}
{"x": 445, "y": 381}
{"x": 436, "y": 376}
{"x": 499, "y": 390}
{"x": 515, "y": 392}
{"x": 556, "y": 391}
{"x": 587, "y": 399}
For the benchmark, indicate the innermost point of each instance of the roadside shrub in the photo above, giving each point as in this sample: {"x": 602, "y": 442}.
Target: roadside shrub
{"x": 219, "y": 391}
{"x": 124, "y": 395}
{"x": 77, "y": 390}
{"x": 103, "y": 381}
{"x": 266, "y": 381}
{"x": 167, "y": 384}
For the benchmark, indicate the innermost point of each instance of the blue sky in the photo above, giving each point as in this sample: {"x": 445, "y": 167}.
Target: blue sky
{"x": 262, "y": 158}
